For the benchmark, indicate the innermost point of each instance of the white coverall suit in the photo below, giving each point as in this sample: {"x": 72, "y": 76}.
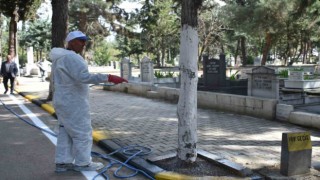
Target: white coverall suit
{"x": 70, "y": 100}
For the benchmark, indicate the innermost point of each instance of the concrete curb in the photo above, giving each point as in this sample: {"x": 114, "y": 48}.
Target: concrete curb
{"x": 101, "y": 139}
{"x": 35, "y": 100}
{"x": 305, "y": 119}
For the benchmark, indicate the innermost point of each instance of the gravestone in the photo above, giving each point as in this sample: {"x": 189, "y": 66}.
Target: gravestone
{"x": 125, "y": 69}
{"x": 257, "y": 61}
{"x": 317, "y": 69}
{"x": 231, "y": 62}
{"x": 30, "y": 63}
{"x": 296, "y": 150}
{"x": 283, "y": 111}
{"x": 146, "y": 70}
{"x": 296, "y": 75}
{"x": 262, "y": 82}
{"x": 176, "y": 60}
{"x": 244, "y": 73}
{"x": 214, "y": 72}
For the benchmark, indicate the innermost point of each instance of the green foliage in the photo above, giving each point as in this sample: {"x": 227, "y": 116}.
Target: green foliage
{"x": 284, "y": 73}
{"x": 17, "y": 10}
{"x": 101, "y": 54}
{"x": 3, "y": 35}
{"x": 26, "y": 8}
{"x": 250, "y": 60}
{"x": 90, "y": 16}
{"x": 38, "y": 35}
{"x": 22, "y": 58}
{"x": 160, "y": 25}
{"x": 159, "y": 74}
{"x": 309, "y": 77}
{"x": 233, "y": 76}
{"x": 297, "y": 69}
{"x": 169, "y": 74}
{"x": 210, "y": 32}
{"x": 292, "y": 25}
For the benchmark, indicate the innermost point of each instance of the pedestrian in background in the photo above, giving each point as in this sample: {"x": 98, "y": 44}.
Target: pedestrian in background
{"x": 9, "y": 71}
{"x": 42, "y": 70}
{"x": 43, "y": 67}
{"x": 71, "y": 79}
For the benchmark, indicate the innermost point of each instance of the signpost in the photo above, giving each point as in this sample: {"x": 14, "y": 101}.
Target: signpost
{"x": 296, "y": 149}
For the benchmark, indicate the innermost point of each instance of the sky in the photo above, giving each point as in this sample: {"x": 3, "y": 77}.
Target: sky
{"x": 45, "y": 10}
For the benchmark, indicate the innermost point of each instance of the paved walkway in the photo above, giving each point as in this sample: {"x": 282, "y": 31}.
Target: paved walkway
{"x": 129, "y": 119}
{"x": 253, "y": 142}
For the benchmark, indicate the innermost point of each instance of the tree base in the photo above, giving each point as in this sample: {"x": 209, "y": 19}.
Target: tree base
{"x": 201, "y": 167}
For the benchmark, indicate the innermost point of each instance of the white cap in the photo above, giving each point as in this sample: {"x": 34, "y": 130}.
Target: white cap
{"x": 76, "y": 35}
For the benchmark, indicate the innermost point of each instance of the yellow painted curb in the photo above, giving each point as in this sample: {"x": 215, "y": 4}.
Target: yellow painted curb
{"x": 99, "y": 135}
{"x": 48, "y": 108}
{"x": 168, "y": 175}
{"x": 30, "y": 97}
{"x": 172, "y": 176}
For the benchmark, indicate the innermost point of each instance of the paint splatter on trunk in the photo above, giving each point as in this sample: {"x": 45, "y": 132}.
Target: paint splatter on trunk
{"x": 187, "y": 105}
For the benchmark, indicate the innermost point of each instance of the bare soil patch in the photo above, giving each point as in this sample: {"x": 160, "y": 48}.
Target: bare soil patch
{"x": 201, "y": 167}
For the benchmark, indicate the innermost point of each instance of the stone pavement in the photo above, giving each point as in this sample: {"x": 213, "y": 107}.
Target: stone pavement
{"x": 252, "y": 142}
{"x": 128, "y": 119}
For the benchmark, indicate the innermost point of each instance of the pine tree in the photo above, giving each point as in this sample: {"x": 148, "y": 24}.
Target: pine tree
{"x": 17, "y": 10}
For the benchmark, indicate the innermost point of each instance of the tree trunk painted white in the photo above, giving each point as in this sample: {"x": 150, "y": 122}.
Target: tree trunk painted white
{"x": 187, "y": 105}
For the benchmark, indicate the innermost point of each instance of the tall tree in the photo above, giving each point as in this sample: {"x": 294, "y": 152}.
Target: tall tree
{"x": 59, "y": 22}
{"x": 59, "y": 29}
{"x": 278, "y": 25}
{"x": 187, "y": 105}
{"x": 160, "y": 28}
{"x": 17, "y": 10}
{"x": 37, "y": 35}
{"x": 210, "y": 29}
{"x": 2, "y": 19}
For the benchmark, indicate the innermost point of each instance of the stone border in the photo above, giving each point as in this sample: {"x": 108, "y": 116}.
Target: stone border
{"x": 247, "y": 105}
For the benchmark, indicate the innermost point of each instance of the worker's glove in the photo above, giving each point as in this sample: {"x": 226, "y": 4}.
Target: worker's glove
{"x": 116, "y": 79}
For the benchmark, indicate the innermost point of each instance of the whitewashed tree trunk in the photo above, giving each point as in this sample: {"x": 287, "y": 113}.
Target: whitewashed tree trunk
{"x": 187, "y": 105}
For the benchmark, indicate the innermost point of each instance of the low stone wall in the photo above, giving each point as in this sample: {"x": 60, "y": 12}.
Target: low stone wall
{"x": 252, "y": 106}
{"x": 305, "y": 119}
{"x": 286, "y": 113}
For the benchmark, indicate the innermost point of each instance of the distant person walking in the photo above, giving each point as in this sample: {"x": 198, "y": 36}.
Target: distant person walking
{"x": 9, "y": 71}
{"x": 43, "y": 67}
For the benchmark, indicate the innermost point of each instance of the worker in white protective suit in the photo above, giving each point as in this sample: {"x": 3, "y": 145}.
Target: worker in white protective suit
{"x": 70, "y": 78}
